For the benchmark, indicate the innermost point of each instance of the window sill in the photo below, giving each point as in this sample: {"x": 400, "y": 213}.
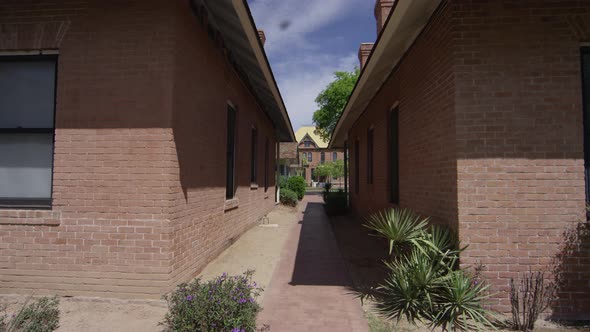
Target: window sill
{"x": 231, "y": 204}
{"x": 253, "y": 186}
{"x": 29, "y": 217}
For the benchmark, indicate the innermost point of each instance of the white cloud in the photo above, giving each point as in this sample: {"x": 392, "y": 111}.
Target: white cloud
{"x": 302, "y": 68}
{"x": 302, "y": 16}
{"x": 300, "y": 83}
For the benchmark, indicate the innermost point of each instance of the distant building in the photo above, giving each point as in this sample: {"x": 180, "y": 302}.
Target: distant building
{"x": 313, "y": 151}
{"x": 288, "y": 163}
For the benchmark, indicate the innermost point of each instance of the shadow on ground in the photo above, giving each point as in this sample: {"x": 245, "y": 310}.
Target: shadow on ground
{"x": 318, "y": 262}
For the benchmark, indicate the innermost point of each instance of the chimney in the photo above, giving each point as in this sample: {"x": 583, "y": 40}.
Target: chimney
{"x": 364, "y": 52}
{"x": 382, "y": 10}
{"x": 262, "y": 36}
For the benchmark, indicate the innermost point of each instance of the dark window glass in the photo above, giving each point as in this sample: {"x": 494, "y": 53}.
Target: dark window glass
{"x": 370, "y": 156}
{"x": 357, "y": 173}
{"x": 586, "y": 101}
{"x": 254, "y": 159}
{"x": 307, "y": 144}
{"x": 322, "y": 157}
{"x": 27, "y": 108}
{"x": 309, "y": 157}
{"x": 394, "y": 156}
{"x": 334, "y": 156}
{"x": 231, "y": 153}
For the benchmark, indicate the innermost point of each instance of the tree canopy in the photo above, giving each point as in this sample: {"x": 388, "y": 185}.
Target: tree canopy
{"x": 331, "y": 102}
{"x": 331, "y": 169}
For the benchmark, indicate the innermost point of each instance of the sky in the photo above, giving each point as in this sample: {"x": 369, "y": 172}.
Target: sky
{"x": 307, "y": 41}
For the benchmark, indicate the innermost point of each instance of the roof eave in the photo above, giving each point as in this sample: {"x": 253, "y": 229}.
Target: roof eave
{"x": 407, "y": 19}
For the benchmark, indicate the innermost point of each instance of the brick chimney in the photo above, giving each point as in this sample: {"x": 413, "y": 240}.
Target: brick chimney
{"x": 262, "y": 36}
{"x": 364, "y": 52}
{"x": 382, "y": 10}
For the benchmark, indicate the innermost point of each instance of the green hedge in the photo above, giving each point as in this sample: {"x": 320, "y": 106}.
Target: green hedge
{"x": 336, "y": 202}
{"x": 297, "y": 184}
{"x": 288, "y": 197}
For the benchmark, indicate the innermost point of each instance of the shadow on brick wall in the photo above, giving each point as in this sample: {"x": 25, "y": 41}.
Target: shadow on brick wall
{"x": 572, "y": 275}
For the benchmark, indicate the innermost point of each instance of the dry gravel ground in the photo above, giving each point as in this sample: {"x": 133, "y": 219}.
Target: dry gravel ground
{"x": 258, "y": 249}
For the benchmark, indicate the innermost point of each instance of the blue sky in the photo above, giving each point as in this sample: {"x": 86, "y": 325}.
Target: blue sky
{"x": 307, "y": 41}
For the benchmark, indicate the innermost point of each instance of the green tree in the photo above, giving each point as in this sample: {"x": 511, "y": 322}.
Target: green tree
{"x": 331, "y": 102}
{"x": 331, "y": 169}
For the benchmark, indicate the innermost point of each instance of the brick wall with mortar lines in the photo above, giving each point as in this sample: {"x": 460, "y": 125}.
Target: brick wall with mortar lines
{"x": 106, "y": 233}
{"x": 520, "y": 140}
{"x": 202, "y": 227}
{"x": 427, "y": 170}
{"x": 113, "y": 228}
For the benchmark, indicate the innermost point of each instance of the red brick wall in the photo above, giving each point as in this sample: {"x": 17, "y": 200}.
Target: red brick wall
{"x": 491, "y": 138}
{"x": 520, "y": 139}
{"x": 202, "y": 227}
{"x": 316, "y": 159}
{"x": 422, "y": 86}
{"x": 138, "y": 189}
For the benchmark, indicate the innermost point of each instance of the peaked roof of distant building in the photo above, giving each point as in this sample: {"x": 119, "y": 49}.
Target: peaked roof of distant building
{"x": 311, "y": 132}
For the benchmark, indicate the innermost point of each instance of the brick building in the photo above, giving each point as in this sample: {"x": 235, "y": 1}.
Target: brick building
{"x": 137, "y": 141}
{"x": 313, "y": 151}
{"x": 472, "y": 112}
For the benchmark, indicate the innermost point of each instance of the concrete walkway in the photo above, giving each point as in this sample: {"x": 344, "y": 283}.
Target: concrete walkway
{"x": 309, "y": 290}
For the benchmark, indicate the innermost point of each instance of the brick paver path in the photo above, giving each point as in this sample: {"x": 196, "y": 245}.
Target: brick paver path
{"x": 309, "y": 290}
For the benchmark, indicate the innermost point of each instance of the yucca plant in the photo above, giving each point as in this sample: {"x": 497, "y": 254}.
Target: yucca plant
{"x": 424, "y": 283}
{"x": 458, "y": 303}
{"x": 402, "y": 228}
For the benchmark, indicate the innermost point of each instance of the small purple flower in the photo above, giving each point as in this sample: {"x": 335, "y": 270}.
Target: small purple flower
{"x": 224, "y": 275}
{"x": 189, "y": 298}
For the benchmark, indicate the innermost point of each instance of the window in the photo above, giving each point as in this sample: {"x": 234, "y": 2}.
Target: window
{"x": 27, "y": 108}
{"x": 266, "y": 160}
{"x": 309, "y": 157}
{"x": 254, "y": 159}
{"x": 357, "y": 173}
{"x": 586, "y": 107}
{"x": 334, "y": 156}
{"x": 307, "y": 144}
{"x": 370, "y": 156}
{"x": 394, "y": 156}
{"x": 231, "y": 153}
{"x": 322, "y": 158}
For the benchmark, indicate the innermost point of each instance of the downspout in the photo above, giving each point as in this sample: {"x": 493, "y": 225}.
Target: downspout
{"x": 346, "y": 171}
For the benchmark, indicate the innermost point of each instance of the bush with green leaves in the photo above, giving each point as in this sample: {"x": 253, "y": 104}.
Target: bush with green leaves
{"x": 336, "y": 202}
{"x": 288, "y": 197}
{"x": 297, "y": 184}
{"x": 41, "y": 315}
{"x": 226, "y": 303}
{"x": 282, "y": 181}
{"x": 424, "y": 283}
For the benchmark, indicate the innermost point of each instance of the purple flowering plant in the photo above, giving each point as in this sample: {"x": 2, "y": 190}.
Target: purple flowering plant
{"x": 226, "y": 303}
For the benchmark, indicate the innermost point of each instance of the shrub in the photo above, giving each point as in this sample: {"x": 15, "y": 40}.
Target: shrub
{"x": 297, "y": 184}
{"x": 40, "y": 316}
{"x": 529, "y": 299}
{"x": 222, "y": 304}
{"x": 288, "y": 197}
{"x": 423, "y": 282}
{"x": 336, "y": 203}
{"x": 282, "y": 181}
{"x": 327, "y": 188}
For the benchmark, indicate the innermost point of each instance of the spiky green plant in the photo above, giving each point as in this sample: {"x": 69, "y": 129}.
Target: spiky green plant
{"x": 424, "y": 283}
{"x": 458, "y": 303}
{"x": 401, "y": 227}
